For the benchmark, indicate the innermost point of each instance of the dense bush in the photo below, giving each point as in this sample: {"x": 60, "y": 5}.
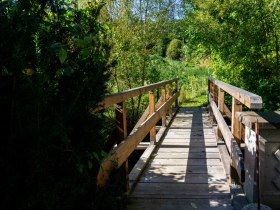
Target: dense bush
{"x": 53, "y": 58}
{"x": 174, "y": 49}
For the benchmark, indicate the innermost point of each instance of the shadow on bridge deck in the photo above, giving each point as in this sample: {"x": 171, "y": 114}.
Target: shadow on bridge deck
{"x": 185, "y": 171}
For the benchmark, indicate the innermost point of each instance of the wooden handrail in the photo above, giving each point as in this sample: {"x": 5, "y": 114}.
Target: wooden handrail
{"x": 251, "y": 100}
{"x": 145, "y": 124}
{"x": 216, "y": 89}
{"x": 115, "y": 98}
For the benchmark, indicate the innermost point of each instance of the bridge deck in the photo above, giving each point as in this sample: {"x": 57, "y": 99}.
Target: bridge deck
{"x": 186, "y": 170}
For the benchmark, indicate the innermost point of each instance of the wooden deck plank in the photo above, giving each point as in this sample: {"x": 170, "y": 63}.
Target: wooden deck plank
{"x": 186, "y": 167}
{"x": 197, "y": 140}
{"x": 180, "y": 190}
{"x": 178, "y": 204}
{"x": 186, "y": 178}
{"x": 184, "y": 149}
{"x": 186, "y": 162}
{"x": 195, "y": 169}
{"x": 188, "y": 155}
{"x": 190, "y": 144}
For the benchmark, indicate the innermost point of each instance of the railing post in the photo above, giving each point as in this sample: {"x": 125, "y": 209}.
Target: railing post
{"x": 120, "y": 112}
{"x": 221, "y": 100}
{"x": 221, "y": 97}
{"x": 170, "y": 95}
{"x": 151, "y": 111}
{"x": 163, "y": 99}
{"x": 216, "y": 93}
{"x": 235, "y": 125}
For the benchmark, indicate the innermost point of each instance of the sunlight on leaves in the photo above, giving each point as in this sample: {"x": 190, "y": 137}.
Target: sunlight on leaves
{"x": 28, "y": 71}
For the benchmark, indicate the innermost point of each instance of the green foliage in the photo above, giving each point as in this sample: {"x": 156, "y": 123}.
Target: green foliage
{"x": 183, "y": 94}
{"x": 201, "y": 100}
{"x": 242, "y": 40}
{"x": 174, "y": 49}
{"x": 53, "y": 58}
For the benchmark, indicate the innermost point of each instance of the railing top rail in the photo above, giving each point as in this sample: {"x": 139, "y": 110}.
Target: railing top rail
{"x": 247, "y": 98}
{"x": 115, "y": 98}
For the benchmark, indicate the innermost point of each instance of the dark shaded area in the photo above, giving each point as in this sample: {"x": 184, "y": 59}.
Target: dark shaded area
{"x": 272, "y": 117}
{"x": 51, "y": 75}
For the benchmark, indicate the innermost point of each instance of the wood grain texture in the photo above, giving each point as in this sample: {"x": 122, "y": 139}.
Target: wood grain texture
{"x": 186, "y": 165}
{"x": 111, "y": 99}
{"x": 247, "y": 98}
{"x": 179, "y": 204}
{"x": 236, "y": 155}
{"x": 117, "y": 157}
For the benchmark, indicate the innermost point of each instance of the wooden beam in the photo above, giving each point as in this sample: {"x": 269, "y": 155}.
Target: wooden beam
{"x": 109, "y": 100}
{"x": 120, "y": 115}
{"x": 145, "y": 115}
{"x": 152, "y": 111}
{"x": 221, "y": 100}
{"x": 233, "y": 148}
{"x": 120, "y": 112}
{"x": 247, "y": 98}
{"x": 235, "y": 124}
{"x": 122, "y": 152}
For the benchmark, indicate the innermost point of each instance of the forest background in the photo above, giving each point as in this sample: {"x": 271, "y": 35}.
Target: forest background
{"x": 58, "y": 58}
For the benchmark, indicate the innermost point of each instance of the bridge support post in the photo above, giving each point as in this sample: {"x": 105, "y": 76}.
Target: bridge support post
{"x": 163, "y": 99}
{"x": 235, "y": 124}
{"x": 120, "y": 112}
{"x": 221, "y": 102}
{"x": 151, "y": 111}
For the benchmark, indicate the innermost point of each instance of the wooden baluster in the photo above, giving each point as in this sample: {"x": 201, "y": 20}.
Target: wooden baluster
{"x": 221, "y": 97}
{"x": 221, "y": 100}
{"x": 163, "y": 99}
{"x": 120, "y": 112}
{"x": 216, "y": 94}
{"x": 235, "y": 125}
{"x": 170, "y": 95}
{"x": 151, "y": 111}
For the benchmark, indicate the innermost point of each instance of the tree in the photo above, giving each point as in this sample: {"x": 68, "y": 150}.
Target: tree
{"x": 53, "y": 58}
{"x": 242, "y": 38}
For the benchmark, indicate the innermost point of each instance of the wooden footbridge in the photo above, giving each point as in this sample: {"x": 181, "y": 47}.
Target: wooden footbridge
{"x": 184, "y": 166}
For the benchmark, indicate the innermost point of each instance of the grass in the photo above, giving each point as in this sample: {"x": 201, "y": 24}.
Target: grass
{"x": 197, "y": 101}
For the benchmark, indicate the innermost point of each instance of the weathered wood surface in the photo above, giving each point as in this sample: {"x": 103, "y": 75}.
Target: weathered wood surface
{"x": 117, "y": 157}
{"x": 247, "y": 98}
{"x": 236, "y": 155}
{"x": 109, "y": 100}
{"x": 180, "y": 204}
{"x": 186, "y": 170}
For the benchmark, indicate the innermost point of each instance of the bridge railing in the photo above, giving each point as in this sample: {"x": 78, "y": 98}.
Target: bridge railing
{"x": 232, "y": 138}
{"x": 146, "y": 124}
